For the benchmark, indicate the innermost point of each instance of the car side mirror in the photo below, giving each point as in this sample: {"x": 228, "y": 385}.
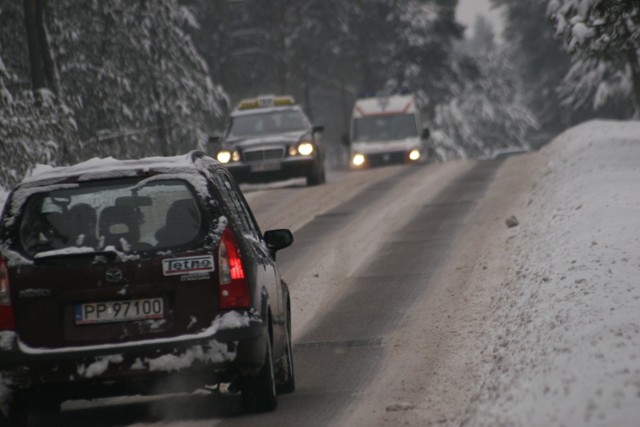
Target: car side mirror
{"x": 426, "y": 133}
{"x": 278, "y": 239}
{"x": 318, "y": 128}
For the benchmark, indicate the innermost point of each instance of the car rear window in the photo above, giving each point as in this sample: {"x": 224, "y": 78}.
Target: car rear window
{"x": 121, "y": 215}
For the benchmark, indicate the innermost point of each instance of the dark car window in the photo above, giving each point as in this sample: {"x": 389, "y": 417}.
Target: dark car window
{"x": 237, "y": 203}
{"x": 122, "y": 214}
{"x": 380, "y": 128}
{"x": 274, "y": 121}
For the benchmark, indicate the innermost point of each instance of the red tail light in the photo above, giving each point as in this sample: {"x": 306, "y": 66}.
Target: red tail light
{"x": 6, "y": 310}
{"x": 234, "y": 289}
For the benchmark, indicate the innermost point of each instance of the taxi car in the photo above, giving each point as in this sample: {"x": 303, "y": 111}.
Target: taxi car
{"x": 116, "y": 277}
{"x": 270, "y": 138}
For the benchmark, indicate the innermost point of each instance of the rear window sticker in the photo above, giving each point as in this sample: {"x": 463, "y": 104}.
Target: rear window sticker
{"x": 187, "y": 265}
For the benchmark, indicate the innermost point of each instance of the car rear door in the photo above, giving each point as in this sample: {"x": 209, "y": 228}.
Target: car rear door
{"x": 164, "y": 285}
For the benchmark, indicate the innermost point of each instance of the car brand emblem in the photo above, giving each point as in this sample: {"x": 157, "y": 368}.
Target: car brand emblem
{"x": 113, "y": 275}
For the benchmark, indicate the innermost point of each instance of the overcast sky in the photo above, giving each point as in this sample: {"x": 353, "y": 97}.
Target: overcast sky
{"x": 469, "y": 9}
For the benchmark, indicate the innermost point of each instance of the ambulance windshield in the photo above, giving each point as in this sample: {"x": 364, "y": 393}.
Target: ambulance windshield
{"x": 384, "y": 128}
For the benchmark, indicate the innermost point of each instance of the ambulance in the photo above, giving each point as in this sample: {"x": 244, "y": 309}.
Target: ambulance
{"x": 386, "y": 130}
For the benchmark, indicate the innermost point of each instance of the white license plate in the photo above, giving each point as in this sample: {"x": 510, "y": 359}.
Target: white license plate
{"x": 119, "y": 311}
{"x": 265, "y": 167}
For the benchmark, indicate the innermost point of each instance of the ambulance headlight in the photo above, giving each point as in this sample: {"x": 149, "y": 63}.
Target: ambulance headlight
{"x": 414, "y": 154}
{"x": 358, "y": 160}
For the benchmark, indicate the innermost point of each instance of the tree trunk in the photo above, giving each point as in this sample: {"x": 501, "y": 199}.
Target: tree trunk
{"x": 35, "y": 51}
{"x": 43, "y": 72}
{"x": 634, "y": 62}
{"x": 162, "y": 135}
{"x": 48, "y": 63}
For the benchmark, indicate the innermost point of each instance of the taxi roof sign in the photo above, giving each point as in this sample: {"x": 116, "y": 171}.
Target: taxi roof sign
{"x": 265, "y": 101}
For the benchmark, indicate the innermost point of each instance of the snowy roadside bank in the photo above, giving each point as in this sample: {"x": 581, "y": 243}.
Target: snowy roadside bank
{"x": 534, "y": 325}
{"x": 566, "y": 330}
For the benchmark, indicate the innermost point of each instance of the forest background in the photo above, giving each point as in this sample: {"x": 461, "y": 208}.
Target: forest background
{"x": 80, "y": 79}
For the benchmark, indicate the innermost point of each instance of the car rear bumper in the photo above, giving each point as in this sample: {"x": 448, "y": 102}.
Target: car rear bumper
{"x": 216, "y": 354}
{"x": 266, "y": 171}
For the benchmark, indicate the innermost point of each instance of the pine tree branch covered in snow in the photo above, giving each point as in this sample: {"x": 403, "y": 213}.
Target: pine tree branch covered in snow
{"x": 603, "y": 38}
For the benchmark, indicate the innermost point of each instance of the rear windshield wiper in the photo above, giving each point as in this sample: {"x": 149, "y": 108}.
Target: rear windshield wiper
{"x": 75, "y": 257}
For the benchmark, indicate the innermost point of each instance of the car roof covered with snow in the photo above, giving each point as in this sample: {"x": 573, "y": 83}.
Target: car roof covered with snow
{"x": 104, "y": 168}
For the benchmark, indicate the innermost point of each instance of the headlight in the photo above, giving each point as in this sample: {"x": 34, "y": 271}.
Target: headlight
{"x": 235, "y": 156}
{"x": 224, "y": 156}
{"x": 305, "y": 148}
{"x": 414, "y": 154}
{"x": 358, "y": 160}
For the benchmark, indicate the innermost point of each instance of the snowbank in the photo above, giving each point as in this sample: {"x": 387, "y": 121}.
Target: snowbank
{"x": 566, "y": 329}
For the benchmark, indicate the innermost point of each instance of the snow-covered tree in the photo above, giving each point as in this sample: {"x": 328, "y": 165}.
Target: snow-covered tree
{"x": 34, "y": 128}
{"x": 326, "y": 53}
{"x": 35, "y": 124}
{"x": 118, "y": 78}
{"x": 603, "y": 38}
{"x": 486, "y": 111}
{"x": 539, "y": 60}
{"x": 133, "y": 76}
{"x": 483, "y": 39}
{"x": 428, "y": 30}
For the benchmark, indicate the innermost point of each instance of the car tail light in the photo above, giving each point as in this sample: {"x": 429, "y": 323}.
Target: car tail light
{"x": 234, "y": 289}
{"x": 6, "y": 310}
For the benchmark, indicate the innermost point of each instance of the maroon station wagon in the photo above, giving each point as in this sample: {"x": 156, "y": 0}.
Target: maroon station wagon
{"x": 117, "y": 276}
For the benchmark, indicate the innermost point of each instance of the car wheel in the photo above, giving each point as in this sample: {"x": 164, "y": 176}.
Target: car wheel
{"x": 316, "y": 176}
{"x": 259, "y": 393}
{"x": 44, "y": 405}
{"x": 289, "y": 383}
